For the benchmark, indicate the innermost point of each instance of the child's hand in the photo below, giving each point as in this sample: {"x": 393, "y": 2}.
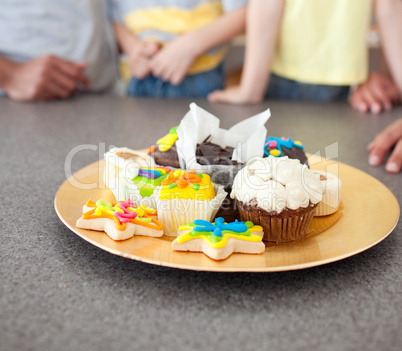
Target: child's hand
{"x": 234, "y": 95}
{"x": 172, "y": 62}
{"x": 139, "y": 58}
{"x": 383, "y": 143}
{"x": 378, "y": 93}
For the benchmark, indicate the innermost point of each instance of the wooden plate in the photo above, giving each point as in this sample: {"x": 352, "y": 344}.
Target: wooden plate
{"x": 368, "y": 213}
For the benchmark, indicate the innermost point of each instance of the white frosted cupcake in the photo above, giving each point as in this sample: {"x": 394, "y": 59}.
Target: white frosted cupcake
{"x": 121, "y": 161}
{"x": 279, "y": 194}
{"x": 332, "y": 196}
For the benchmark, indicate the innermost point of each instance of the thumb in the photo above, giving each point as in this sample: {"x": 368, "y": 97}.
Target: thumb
{"x": 216, "y": 96}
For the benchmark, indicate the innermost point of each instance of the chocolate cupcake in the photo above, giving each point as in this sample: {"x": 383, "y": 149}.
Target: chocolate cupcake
{"x": 279, "y": 194}
{"x": 279, "y": 147}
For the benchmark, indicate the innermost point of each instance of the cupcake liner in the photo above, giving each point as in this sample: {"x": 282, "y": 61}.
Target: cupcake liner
{"x": 246, "y": 137}
{"x": 176, "y": 212}
{"x": 279, "y": 228}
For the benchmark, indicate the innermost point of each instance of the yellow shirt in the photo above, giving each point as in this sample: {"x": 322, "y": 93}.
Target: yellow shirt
{"x": 164, "y": 23}
{"x": 324, "y": 41}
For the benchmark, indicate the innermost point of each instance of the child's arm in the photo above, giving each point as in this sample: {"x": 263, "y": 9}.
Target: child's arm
{"x": 173, "y": 60}
{"x": 263, "y": 22}
{"x": 138, "y": 52}
{"x": 389, "y": 18}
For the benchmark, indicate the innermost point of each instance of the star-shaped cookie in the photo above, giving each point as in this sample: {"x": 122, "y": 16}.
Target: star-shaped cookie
{"x": 219, "y": 240}
{"x": 120, "y": 221}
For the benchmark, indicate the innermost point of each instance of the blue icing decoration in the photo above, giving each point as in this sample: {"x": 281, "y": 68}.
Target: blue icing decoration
{"x": 288, "y": 143}
{"x": 205, "y": 226}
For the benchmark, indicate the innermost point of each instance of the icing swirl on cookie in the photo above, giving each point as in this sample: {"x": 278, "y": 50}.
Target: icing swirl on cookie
{"x": 216, "y": 234}
{"x": 122, "y": 213}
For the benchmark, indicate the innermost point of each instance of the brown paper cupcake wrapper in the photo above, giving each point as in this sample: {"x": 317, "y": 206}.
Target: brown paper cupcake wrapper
{"x": 281, "y": 227}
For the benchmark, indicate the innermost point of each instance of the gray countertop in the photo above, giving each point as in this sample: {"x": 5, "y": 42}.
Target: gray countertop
{"x": 58, "y": 292}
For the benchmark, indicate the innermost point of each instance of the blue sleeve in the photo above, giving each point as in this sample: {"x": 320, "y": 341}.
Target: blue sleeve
{"x": 114, "y": 11}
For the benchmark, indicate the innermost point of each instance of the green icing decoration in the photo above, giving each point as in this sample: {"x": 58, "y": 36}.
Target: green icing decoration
{"x": 249, "y": 224}
{"x": 173, "y": 130}
{"x": 215, "y": 239}
{"x": 200, "y": 175}
{"x": 196, "y": 186}
{"x": 146, "y": 185}
{"x": 146, "y": 220}
{"x": 106, "y": 204}
{"x": 172, "y": 185}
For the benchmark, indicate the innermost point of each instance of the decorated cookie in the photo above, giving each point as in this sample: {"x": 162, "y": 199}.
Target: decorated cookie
{"x": 181, "y": 184}
{"x": 279, "y": 147}
{"x": 219, "y": 240}
{"x": 120, "y": 221}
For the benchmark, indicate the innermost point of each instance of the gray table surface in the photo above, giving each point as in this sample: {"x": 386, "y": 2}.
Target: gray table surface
{"x": 58, "y": 292}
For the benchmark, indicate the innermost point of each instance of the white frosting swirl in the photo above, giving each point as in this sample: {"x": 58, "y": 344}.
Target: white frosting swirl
{"x": 277, "y": 183}
{"x": 296, "y": 195}
{"x": 273, "y": 197}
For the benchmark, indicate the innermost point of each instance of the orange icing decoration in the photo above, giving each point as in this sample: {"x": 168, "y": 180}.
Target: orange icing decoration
{"x": 182, "y": 178}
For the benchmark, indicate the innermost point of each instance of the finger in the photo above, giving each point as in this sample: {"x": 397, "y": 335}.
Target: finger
{"x": 382, "y": 97}
{"x": 357, "y": 101}
{"x": 156, "y": 68}
{"x": 371, "y": 100}
{"x": 72, "y": 69}
{"x": 384, "y": 141}
{"x": 55, "y": 90}
{"x": 66, "y": 82}
{"x": 394, "y": 163}
{"x": 178, "y": 77}
{"x": 141, "y": 69}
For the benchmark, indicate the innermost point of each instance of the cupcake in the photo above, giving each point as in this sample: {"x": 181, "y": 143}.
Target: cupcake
{"x": 139, "y": 184}
{"x": 279, "y": 194}
{"x": 186, "y": 196}
{"x": 332, "y": 196}
{"x": 118, "y": 160}
{"x": 279, "y": 147}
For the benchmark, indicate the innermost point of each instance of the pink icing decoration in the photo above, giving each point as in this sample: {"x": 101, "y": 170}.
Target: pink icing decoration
{"x": 271, "y": 143}
{"x": 127, "y": 215}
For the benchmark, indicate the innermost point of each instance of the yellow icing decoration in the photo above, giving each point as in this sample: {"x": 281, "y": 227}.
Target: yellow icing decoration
{"x": 298, "y": 143}
{"x": 187, "y": 236}
{"x": 167, "y": 141}
{"x": 275, "y": 152}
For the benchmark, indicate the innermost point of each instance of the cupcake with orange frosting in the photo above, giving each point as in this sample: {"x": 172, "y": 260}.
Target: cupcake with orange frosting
{"x": 186, "y": 196}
